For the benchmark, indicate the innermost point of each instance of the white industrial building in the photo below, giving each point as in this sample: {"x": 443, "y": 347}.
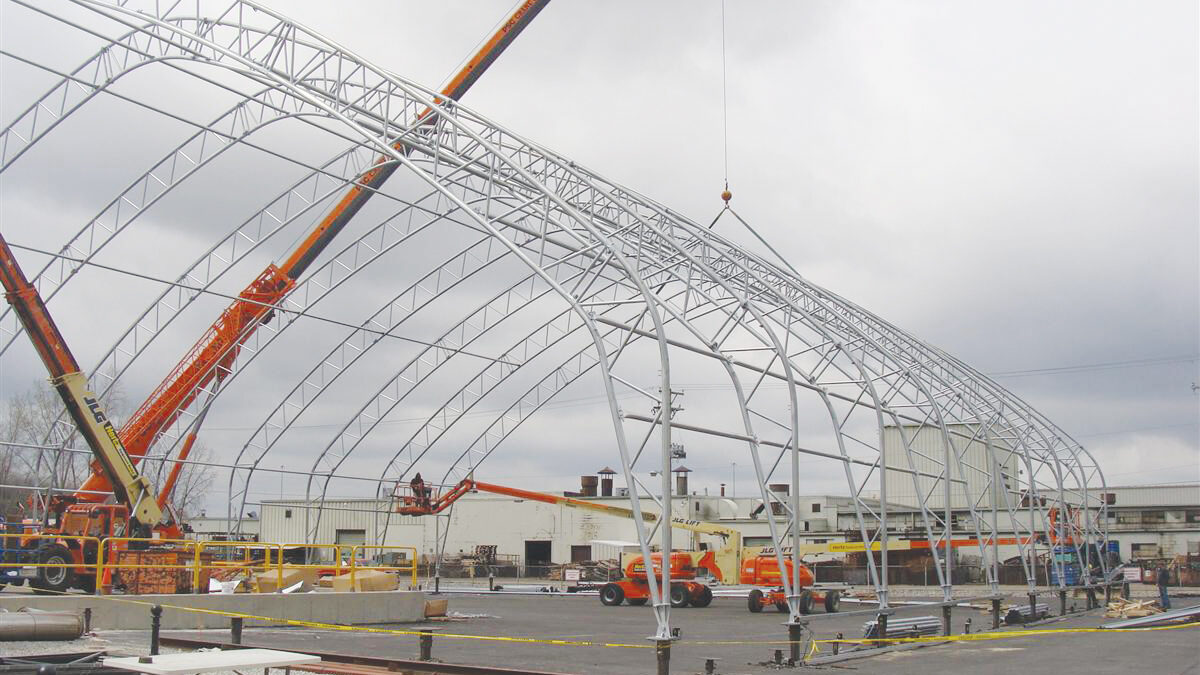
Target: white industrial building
{"x": 1148, "y": 522}
{"x": 1155, "y": 521}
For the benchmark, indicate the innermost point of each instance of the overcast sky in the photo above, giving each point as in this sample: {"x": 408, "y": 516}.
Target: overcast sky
{"x": 1014, "y": 182}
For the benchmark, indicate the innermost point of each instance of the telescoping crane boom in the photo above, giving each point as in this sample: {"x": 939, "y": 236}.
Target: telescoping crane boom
{"x": 212, "y": 357}
{"x": 111, "y": 459}
{"x": 66, "y": 562}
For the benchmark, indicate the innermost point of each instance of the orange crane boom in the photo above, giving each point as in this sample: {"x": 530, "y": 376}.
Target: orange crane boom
{"x": 111, "y": 460}
{"x": 212, "y": 357}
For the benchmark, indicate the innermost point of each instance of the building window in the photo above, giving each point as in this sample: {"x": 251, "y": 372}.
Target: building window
{"x": 1145, "y": 550}
{"x": 816, "y": 508}
{"x": 287, "y": 513}
{"x": 1154, "y": 517}
{"x": 1129, "y": 517}
{"x": 1193, "y": 516}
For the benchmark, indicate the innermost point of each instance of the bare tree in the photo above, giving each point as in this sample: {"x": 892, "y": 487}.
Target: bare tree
{"x": 28, "y": 420}
{"x": 195, "y": 481}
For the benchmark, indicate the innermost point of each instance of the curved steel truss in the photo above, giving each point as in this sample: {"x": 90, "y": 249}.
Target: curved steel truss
{"x": 488, "y": 244}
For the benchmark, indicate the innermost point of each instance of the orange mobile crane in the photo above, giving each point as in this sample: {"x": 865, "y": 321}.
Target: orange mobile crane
{"x": 136, "y": 510}
{"x": 211, "y": 359}
{"x": 730, "y": 563}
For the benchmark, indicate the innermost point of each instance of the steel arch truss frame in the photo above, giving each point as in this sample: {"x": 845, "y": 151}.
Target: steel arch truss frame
{"x": 611, "y": 281}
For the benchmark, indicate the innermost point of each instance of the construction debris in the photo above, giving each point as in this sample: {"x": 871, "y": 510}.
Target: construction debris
{"x": 589, "y": 570}
{"x": 1126, "y": 609}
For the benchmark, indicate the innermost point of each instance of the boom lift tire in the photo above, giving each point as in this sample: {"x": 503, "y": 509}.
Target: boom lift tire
{"x": 754, "y": 602}
{"x": 54, "y": 580}
{"x": 637, "y": 602}
{"x": 806, "y": 602}
{"x": 612, "y": 595}
{"x": 679, "y": 596}
{"x": 704, "y": 598}
{"x": 832, "y": 600}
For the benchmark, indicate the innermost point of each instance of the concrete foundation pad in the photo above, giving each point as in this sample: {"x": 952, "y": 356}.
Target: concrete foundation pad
{"x": 133, "y": 612}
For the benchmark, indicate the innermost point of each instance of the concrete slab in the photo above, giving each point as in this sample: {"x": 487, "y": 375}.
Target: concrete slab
{"x": 742, "y": 640}
{"x": 133, "y": 612}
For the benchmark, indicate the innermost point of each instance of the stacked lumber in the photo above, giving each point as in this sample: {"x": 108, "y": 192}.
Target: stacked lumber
{"x": 590, "y": 570}
{"x": 1125, "y": 609}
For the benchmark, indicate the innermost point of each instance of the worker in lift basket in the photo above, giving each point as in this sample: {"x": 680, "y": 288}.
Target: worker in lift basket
{"x": 418, "y": 489}
{"x": 1162, "y": 576}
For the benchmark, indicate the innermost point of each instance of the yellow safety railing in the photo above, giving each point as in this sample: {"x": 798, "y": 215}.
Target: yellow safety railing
{"x": 22, "y": 538}
{"x": 410, "y": 555}
{"x": 248, "y": 562}
{"x": 251, "y": 556}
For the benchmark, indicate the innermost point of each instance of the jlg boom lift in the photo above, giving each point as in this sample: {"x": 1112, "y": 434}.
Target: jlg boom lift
{"x": 211, "y": 359}
{"x": 729, "y": 563}
{"x": 136, "y": 510}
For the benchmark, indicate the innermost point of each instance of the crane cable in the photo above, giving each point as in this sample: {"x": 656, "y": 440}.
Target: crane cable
{"x": 726, "y": 195}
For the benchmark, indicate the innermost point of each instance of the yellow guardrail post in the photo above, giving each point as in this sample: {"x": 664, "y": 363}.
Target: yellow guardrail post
{"x": 196, "y": 553}
{"x": 100, "y": 546}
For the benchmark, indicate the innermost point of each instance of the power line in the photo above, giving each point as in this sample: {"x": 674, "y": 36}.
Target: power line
{"x": 274, "y": 307}
{"x": 1087, "y": 367}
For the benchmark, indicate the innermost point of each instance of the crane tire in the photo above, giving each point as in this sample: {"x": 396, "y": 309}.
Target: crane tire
{"x": 755, "y": 600}
{"x": 637, "y": 602}
{"x": 54, "y": 580}
{"x": 611, "y": 595}
{"x": 704, "y": 598}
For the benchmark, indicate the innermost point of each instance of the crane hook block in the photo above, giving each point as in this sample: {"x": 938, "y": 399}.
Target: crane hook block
{"x": 726, "y": 195}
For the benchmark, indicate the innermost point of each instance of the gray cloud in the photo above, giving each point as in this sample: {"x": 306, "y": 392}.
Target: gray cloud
{"x": 1016, "y": 183}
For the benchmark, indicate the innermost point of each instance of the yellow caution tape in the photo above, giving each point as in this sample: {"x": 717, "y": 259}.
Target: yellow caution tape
{"x": 998, "y": 635}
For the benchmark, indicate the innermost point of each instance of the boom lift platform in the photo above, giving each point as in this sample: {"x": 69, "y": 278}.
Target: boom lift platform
{"x": 728, "y": 564}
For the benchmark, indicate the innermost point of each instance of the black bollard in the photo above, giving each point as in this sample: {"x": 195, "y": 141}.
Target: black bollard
{"x": 1033, "y": 607}
{"x": 87, "y": 619}
{"x": 881, "y": 626}
{"x": 837, "y": 645}
{"x": 1125, "y": 590}
{"x": 710, "y": 667}
{"x": 1107, "y": 594}
{"x": 437, "y": 585}
{"x": 662, "y": 652}
{"x": 779, "y": 657}
{"x": 995, "y": 613}
{"x": 967, "y": 627}
{"x": 155, "y": 624}
{"x": 426, "y": 646}
{"x": 235, "y": 630}
{"x": 491, "y": 581}
{"x": 795, "y": 636}
{"x": 1062, "y": 602}
{"x": 946, "y": 629}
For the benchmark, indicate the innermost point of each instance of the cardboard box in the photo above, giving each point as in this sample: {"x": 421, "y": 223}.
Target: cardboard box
{"x": 436, "y": 607}
{"x": 268, "y": 581}
{"x": 366, "y": 580}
